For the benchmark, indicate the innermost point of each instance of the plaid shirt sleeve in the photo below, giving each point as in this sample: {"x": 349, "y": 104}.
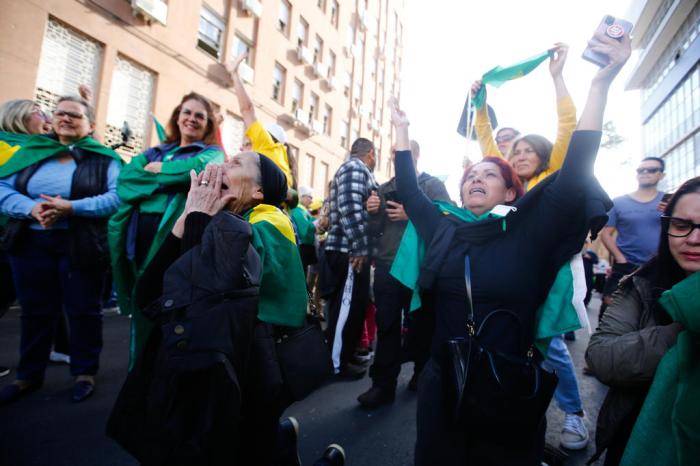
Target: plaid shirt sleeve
{"x": 352, "y": 193}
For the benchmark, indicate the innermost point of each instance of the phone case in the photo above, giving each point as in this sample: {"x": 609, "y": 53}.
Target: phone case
{"x": 613, "y": 27}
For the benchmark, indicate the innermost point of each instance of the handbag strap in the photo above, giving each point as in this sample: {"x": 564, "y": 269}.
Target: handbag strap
{"x": 471, "y": 326}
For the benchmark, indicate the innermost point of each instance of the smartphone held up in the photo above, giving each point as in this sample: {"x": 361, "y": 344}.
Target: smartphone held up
{"x": 612, "y": 27}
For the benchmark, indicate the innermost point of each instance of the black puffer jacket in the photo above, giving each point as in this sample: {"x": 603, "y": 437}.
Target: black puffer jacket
{"x": 181, "y": 404}
{"x": 623, "y": 353}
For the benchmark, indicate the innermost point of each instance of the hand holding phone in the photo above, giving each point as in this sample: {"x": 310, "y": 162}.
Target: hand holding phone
{"x": 612, "y": 27}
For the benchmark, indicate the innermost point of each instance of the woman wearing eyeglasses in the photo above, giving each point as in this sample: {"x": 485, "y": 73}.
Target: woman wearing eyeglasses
{"x": 59, "y": 191}
{"x": 153, "y": 189}
{"x": 652, "y": 310}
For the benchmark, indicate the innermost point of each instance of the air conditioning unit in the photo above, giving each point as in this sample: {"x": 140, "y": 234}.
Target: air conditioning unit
{"x": 254, "y": 7}
{"x": 301, "y": 118}
{"x": 151, "y": 9}
{"x": 333, "y": 82}
{"x": 305, "y": 55}
{"x": 362, "y": 19}
{"x": 320, "y": 69}
{"x": 246, "y": 73}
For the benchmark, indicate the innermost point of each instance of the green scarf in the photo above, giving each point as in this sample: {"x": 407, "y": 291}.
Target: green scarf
{"x": 36, "y": 148}
{"x": 283, "y": 297}
{"x": 557, "y": 315}
{"x": 136, "y": 185}
{"x": 499, "y": 75}
{"x": 305, "y": 225}
{"x": 667, "y": 431}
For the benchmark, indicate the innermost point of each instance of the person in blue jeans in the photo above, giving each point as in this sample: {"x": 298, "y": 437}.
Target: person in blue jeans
{"x": 574, "y": 434}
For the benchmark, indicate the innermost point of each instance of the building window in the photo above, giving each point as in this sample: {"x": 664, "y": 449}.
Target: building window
{"x": 242, "y": 45}
{"x": 321, "y": 4}
{"x": 278, "y": 78}
{"x": 335, "y": 12}
{"x": 350, "y": 36}
{"x": 309, "y": 168}
{"x": 347, "y": 83}
{"x": 285, "y": 14}
{"x": 327, "y": 119}
{"x": 324, "y": 174}
{"x": 297, "y": 95}
{"x": 344, "y": 133}
{"x": 303, "y": 32}
{"x": 130, "y": 100}
{"x": 318, "y": 49}
{"x": 68, "y": 59}
{"x": 331, "y": 63}
{"x": 313, "y": 108}
{"x": 211, "y": 31}
{"x": 232, "y": 133}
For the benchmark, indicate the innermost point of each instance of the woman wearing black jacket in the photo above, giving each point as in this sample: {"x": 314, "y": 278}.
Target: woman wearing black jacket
{"x": 512, "y": 268}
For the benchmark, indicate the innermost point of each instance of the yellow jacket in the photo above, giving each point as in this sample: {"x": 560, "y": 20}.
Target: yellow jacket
{"x": 566, "y": 111}
{"x": 262, "y": 142}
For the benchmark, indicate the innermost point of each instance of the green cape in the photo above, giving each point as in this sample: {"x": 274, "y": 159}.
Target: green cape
{"x": 557, "y": 315}
{"x": 305, "y": 225}
{"x": 667, "y": 431}
{"x": 36, "y": 148}
{"x": 135, "y": 185}
{"x": 283, "y": 296}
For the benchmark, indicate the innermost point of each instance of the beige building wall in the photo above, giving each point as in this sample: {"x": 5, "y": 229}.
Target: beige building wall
{"x": 364, "y": 36}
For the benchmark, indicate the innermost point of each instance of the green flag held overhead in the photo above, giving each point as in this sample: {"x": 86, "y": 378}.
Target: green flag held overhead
{"x": 160, "y": 130}
{"x": 498, "y": 75}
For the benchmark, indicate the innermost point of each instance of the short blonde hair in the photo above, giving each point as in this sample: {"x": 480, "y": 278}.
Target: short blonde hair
{"x": 14, "y": 113}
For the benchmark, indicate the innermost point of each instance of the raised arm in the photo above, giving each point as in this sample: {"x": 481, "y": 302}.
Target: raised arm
{"x": 420, "y": 210}
{"x": 482, "y": 126}
{"x": 566, "y": 110}
{"x": 244, "y": 102}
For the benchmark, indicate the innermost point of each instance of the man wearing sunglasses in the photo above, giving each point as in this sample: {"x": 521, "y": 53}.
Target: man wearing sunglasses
{"x": 637, "y": 220}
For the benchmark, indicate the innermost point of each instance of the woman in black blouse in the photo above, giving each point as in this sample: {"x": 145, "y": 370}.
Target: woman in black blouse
{"x": 512, "y": 268}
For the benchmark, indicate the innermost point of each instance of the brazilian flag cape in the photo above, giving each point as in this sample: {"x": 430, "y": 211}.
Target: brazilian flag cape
{"x": 134, "y": 186}
{"x": 11, "y": 143}
{"x": 305, "y": 225}
{"x": 30, "y": 149}
{"x": 667, "y": 431}
{"x": 557, "y": 315}
{"x": 283, "y": 297}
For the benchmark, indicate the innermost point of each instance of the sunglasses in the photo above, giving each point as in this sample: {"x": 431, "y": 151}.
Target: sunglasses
{"x": 506, "y": 138}
{"x": 71, "y": 115}
{"x": 678, "y": 227}
{"x": 641, "y": 171}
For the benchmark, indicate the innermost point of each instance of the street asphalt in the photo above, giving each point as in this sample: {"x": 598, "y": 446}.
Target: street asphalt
{"x": 45, "y": 428}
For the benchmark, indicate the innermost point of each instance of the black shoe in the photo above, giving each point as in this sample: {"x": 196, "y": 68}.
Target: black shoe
{"x": 351, "y": 372}
{"x": 375, "y": 397}
{"x": 413, "y": 383}
{"x": 13, "y": 392}
{"x": 82, "y": 390}
{"x": 333, "y": 456}
{"x": 4, "y": 371}
{"x": 287, "y": 443}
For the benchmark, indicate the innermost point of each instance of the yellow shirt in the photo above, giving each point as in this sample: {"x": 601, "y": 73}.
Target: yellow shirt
{"x": 262, "y": 142}
{"x": 566, "y": 111}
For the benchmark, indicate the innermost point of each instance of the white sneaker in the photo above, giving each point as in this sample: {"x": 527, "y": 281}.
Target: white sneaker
{"x": 574, "y": 435}
{"x": 59, "y": 357}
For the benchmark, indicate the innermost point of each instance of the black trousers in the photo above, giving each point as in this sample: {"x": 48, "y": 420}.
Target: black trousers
{"x": 348, "y": 324}
{"x": 391, "y": 299}
{"x": 439, "y": 444}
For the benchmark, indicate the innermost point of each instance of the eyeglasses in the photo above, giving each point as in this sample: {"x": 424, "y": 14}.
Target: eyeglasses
{"x": 505, "y": 137}
{"x": 71, "y": 115}
{"x": 41, "y": 114}
{"x": 650, "y": 170}
{"x": 678, "y": 227}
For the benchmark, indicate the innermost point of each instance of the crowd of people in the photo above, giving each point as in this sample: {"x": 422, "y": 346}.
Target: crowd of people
{"x": 229, "y": 271}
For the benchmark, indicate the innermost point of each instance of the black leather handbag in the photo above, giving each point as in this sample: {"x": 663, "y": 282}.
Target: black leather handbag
{"x": 491, "y": 388}
{"x": 304, "y": 357}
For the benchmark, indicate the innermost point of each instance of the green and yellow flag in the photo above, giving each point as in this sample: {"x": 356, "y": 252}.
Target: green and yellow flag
{"x": 10, "y": 143}
{"x": 499, "y": 75}
{"x": 160, "y": 130}
{"x": 283, "y": 297}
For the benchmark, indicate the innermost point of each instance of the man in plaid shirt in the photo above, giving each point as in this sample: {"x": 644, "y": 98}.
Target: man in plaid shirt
{"x": 345, "y": 268}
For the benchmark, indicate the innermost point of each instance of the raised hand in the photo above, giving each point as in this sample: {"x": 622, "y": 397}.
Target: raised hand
{"x": 617, "y": 51}
{"x": 557, "y": 61}
{"x": 476, "y": 85}
{"x": 398, "y": 116}
{"x": 232, "y": 67}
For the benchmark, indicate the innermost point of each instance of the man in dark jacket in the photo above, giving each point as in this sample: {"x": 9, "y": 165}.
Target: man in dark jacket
{"x": 387, "y": 222}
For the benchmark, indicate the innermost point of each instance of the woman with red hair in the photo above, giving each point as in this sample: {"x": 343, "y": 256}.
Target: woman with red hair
{"x": 488, "y": 270}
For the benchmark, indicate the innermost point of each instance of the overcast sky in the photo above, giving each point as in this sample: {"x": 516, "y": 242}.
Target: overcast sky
{"x": 449, "y": 44}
